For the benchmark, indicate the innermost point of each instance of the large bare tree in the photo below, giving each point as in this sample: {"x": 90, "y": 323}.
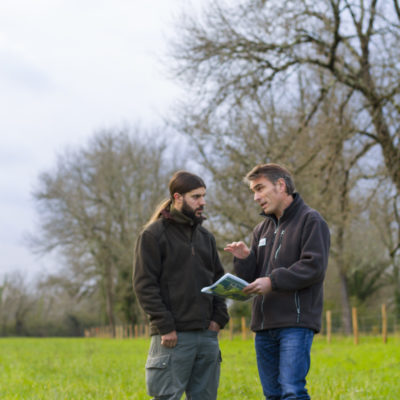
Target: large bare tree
{"x": 312, "y": 84}
{"x": 91, "y": 207}
{"x": 239, "y": 51}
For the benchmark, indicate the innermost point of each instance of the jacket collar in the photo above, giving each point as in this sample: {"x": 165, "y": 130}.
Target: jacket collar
{"x": 177, "y": 216}
{"x": 289, "y": 211}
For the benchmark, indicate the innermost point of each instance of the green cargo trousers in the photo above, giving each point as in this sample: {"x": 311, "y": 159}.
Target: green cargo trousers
{"x": 192, "y": 366}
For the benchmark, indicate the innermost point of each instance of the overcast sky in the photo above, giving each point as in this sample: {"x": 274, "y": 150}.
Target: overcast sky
{"x": 67, "y": 69}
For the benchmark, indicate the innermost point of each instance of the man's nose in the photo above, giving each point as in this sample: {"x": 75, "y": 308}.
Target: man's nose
{"x": 256, "y": 196}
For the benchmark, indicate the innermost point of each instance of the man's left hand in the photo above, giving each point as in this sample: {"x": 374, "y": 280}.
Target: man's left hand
{"x": 214, "y": 326}
{"x": 259, "y": 286}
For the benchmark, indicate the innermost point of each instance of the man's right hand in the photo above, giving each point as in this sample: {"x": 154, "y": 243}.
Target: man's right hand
{"x": 238, "y": 249}
{"x": 169, "y": 339}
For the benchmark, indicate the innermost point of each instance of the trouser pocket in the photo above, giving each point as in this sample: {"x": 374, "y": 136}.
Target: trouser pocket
{"x": 159, "y": 375}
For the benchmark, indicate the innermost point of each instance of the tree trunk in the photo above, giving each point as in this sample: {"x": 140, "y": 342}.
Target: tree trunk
{"x": 110, "y": 298}
{"x": 344, "y": 292}
{"x": 344, "y": 295}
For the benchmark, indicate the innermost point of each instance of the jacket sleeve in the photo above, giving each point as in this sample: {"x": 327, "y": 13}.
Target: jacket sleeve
{"x": 313, "y": 261}
{"x": 247, "y": 268}
{"x": 146, "y": 281}
{"x": 220, "y": 311}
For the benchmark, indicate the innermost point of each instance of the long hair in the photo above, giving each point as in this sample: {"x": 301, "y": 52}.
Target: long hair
{"x": 181, "y": 182}
{"x": 164, "y": 205}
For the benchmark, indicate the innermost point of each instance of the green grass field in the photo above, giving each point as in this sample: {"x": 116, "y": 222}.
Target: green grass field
{"x": 114, "y": 369}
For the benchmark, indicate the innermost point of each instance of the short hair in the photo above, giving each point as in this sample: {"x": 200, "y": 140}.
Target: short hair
{"x": 183, "y": 182}
{"x": 272, "y": 172}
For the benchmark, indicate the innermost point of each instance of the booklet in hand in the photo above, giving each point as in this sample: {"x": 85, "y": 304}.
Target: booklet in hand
{"x": 229, "y": 286}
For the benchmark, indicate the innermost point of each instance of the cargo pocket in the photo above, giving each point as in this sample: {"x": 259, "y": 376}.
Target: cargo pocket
{"x": 158, "y": 375}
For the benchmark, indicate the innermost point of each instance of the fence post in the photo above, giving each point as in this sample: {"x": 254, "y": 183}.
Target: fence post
{"x": 231, "y": 329}
{"x": 329, "y": 326}
{"x": 355, "y": 325}
{"x": 384, "y": 323}
{"x": 244, "y": 333}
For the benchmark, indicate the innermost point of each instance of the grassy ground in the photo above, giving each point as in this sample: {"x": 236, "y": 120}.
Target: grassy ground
{"x": 86, "y": 369}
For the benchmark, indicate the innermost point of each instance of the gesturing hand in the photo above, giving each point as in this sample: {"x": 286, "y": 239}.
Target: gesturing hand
{"x": 238, "y": 249}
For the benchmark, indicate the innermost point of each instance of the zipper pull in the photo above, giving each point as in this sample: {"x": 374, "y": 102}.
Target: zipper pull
{"x": 279, "y": 243}
{"x": 297, "y": 303}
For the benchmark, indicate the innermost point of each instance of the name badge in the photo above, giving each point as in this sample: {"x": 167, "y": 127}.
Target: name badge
{"x": 262, "y": 242}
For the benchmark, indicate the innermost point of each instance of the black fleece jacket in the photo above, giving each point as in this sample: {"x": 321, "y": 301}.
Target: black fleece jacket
{"x": 293, "y": 252}
{"x": 174, "y": 259}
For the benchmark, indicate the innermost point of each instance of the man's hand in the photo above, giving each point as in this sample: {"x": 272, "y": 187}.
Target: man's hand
{"x": 259, "y": 286}
{"x": 214, "y": 326}
{"x": 169, "y": 339}
{"x": 238, "y": 249}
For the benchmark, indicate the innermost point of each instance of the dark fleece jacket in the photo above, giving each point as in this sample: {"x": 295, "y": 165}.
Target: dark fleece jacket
{"x": 293, "y": 252}
{"x": 174, "y": 259}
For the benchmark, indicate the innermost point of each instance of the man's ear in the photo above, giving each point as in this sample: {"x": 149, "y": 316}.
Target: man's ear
{"x": 178, "y": 201}
{"x": 282, "y": 185}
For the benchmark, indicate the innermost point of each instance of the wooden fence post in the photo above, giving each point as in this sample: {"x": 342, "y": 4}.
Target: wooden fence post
{"x": 244, "y": 333}
{"x": 231, "y": 329}
{"x": 329, "y": 326}
{"x": 355, "y": 325}
{"x": 384, "y": 323}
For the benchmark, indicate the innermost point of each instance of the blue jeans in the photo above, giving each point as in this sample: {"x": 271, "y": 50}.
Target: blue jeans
{"x": 283, "y": 360}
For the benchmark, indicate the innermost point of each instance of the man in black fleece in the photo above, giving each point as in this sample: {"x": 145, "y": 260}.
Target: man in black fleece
{"x": 286, "y": 266}
{"x": 175, "y": 257}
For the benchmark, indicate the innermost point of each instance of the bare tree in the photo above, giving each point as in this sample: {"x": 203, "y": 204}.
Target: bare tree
{"x": 311, "y": 84}
{"x": 92, "y": 206}
{"x": 16, "y": 303}
{"x": 239, "y": 51}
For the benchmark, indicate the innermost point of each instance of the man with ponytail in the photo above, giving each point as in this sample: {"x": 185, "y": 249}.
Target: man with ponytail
{"x": 175, "y": 257}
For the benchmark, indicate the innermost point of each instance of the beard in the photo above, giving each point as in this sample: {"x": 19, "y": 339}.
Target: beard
{"x": 191, "y": 213}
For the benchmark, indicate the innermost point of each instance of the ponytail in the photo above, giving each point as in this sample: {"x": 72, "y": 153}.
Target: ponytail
{"x": 165, "y": 204}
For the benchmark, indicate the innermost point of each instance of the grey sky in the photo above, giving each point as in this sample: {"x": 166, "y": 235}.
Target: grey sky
{"x": 67, "y": 69}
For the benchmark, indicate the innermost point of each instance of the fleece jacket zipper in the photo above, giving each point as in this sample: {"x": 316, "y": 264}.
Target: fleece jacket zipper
{"x": 276, "y": 255}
